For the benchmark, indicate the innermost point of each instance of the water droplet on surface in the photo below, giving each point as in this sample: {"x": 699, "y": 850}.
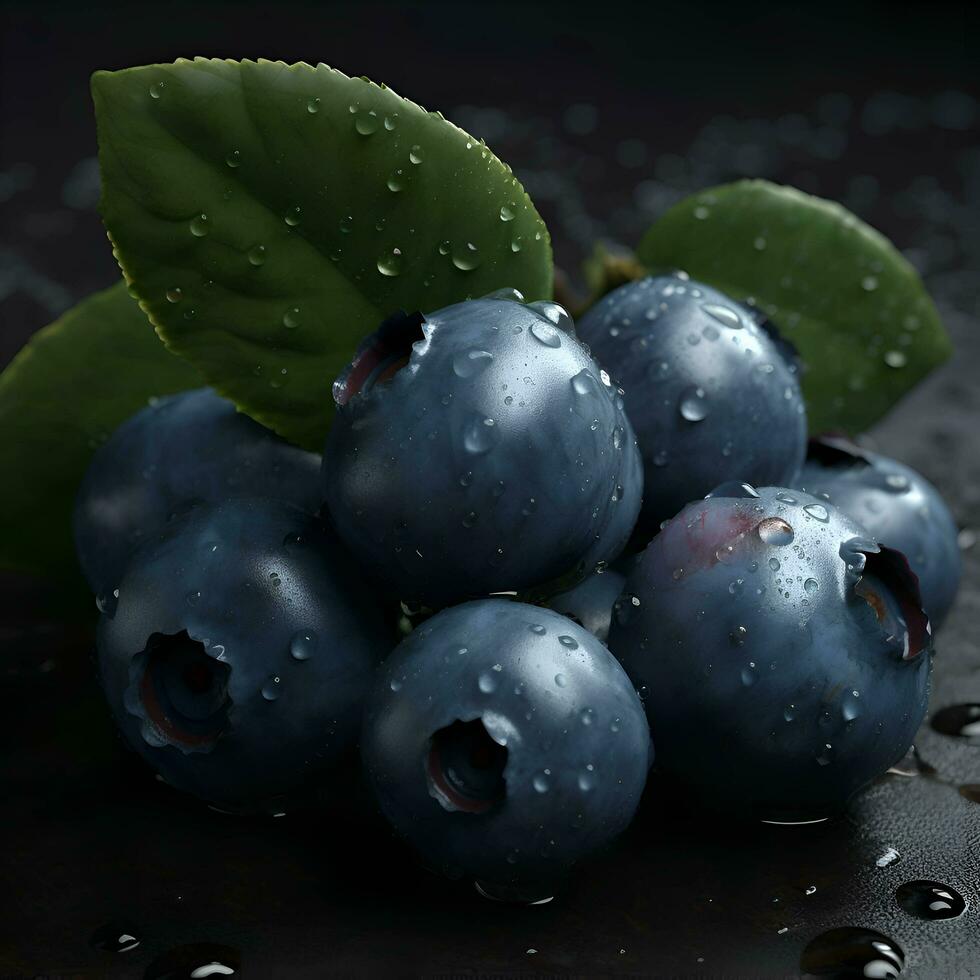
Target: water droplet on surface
{"x": 541, "y": 783}
{"x": 313, "y": 106}
{"x": 775, "y": 531}
{"x": 825, "y": 754}
{"x": 256, "y": 255}
{"x": 416, "y": 155}
{"x": 119, "y": 936}
{"x": 693, "y": 405}
{"x": 584, "y": 383}
{"x": 292, "y": 216}
{"x": 444, "y": 247}
{"x": 958, "y": 721}
{"x": 480, "y": 435}
{"x": 789, "y": 712}
{"x": 174, "y": 295}
{"x": 759, "y": 243}
{"x": 391, "y": 262}
{"x": 156, "y": 90}
{"x": 198, "y": 961}
{"x": 346, "y": 224}
{"x": 546, "y": 334}
{"x": 507, "y": 212}
{"x": 818, "y": 512}
{"x": 200, "y": 226}
{"x": 725, "y": 315}
{"x": 366, "y": 122}
{"x": 271, "y": 688}
{"x": 887, "y": 857}
{"x": 749, "y": 675}
{"x": 234, "y": 159}
{"x": 537, "y": 629}
{"x": 811, "y": 585}
{"x": 930, "y": 900}
{"x": 391, "y": 122}
{"x": 303, "y": 645}
{"x": 395, "y": 685}
{"x": 568, "y": 642}
{"x": 469, "y": 363}
{"x": 466, "y": 257}
{"x": 487, "y": 682}
{"x": 853, "y": 952}
{"x": 560, "y": 680}
{"x": 396, "y": 181}
{"x": 587, "y": 779}
{"x": 107, "y": 602}
{"x": 869, "y": 284}
{"x": 895, "y": 358}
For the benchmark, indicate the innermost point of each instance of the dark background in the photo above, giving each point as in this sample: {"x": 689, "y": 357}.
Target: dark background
{"x": 608, "y": 115}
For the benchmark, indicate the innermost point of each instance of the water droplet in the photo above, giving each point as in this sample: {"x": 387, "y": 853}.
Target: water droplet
{"x": 174, "y": 295}
{"x": 391, "y": 262}
{"x": 568, "y": 641}
{"x": 256, "y": 254}
{"x": 584, "y": 383}
{"x": 789, "y": 712}
{"x": 537, "y": 629}
{"x": 701, "y": 212}
{"x": 507, "y": 212}
{"x": 391, "y": 122}
{"x": 466, "y": 257}
{"x": 303, "y": 645}
{"x": 271, "y": 688}
{"x": 775, "y": 531}
{"x": 545, "y": 333}
{"x": 444, "y": 247}
{"x": 853, "y": 952}
{"x": 469, "y": 363}
{"x": 487, "y": 682}
{"x": 119, "y": 936}
{"x": 660, "y": 458}
{"x": 200, "y": 226}
{"x": 156, "y": 90}
{"x": 470, "y": 519}
{"x": 818, "y": 512}
{"x": 587, "y": 779}
{"x": 346, "y": 224}
{"x": 234, "y": 159}
{"x": 889, "y": 856}
{"x": 725, "y": 315}
{"x": 541, "y": 783}
{"x": 313, "y": 106}
{"x": 515, "y": 245}
{"x": 930, "y": 900}
{"x": 811, "y": 585}
{"x": 749, "y": 675}
{"x": 693, "y": 404}
{"x": 366, "y": 122}
{"x": 396, "y": 181}
{"x": 759, "y": 243}
{"x": 586, "y": 716}
{"x": 416, "y": 155}
{"x": 193, "y": 598}
{"x": 851, "y": 706}
{"x": 560, "y": 680}
{"x": 480, "y": 435}
{"x": 895, "y": 358}
{"x": 958, "y": 720}
{"x": 738, "y": 636}
{"x": 869, "y": 284}
{"x": 825, "y": 754}
{"x": 292, "y": 216}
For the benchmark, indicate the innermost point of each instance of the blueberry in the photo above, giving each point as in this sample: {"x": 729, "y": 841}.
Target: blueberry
{"x": 782, "y": 655}
{"x": 480, "y": 449}
{"x": 505, "y": 743}
{"x": 181, "y": 450}
{"x": 590, "y": 603}
{"x": 898, "y": 506}
{"x": 712, "y": 395}
{"x": 238, "y": 650}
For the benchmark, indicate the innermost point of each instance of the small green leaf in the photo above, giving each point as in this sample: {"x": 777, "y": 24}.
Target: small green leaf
{"x": 60, "y": 398}
{"x": 269, "y": 216}
{"x": 839, "y": 290}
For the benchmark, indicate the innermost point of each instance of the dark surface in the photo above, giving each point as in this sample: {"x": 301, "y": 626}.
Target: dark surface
{"x": 680, "y": 98}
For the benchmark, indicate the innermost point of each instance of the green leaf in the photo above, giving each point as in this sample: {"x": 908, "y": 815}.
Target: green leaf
{"x": 60, "y": 398}
{"x": 839, "y": 290}
{"x": 269, "y": 216}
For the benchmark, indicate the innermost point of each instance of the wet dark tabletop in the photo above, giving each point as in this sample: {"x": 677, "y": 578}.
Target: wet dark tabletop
{"x": 607, "y": 120}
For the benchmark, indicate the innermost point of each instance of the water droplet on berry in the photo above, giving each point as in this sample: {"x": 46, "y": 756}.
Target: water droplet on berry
{"x": 775, "y": 531}
{"x": 469, "y": 363}
{"x": 693, "y": 405}
{"x": 818, "y": 512}
{"x": 199, "y": 226}
{"x": 271, "y": 688}
{"x": 546, "y": 334}
{"x": 723, "y": 314}
{"x": 303, "y": 645}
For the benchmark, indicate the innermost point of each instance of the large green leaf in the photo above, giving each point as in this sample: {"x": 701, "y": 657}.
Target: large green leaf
{"x": 855, "y": 308}
{"x": 268, "y": 216}
{"x": 60, "y": 398}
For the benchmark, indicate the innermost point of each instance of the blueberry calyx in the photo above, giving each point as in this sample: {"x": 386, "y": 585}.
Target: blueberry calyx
{"x": 835, "y": 449}
{"x": 465, "y": 767}
{"x": 180, "y": 692}
{"x": 890, "y": 587}
{"x": 382, "y": 355}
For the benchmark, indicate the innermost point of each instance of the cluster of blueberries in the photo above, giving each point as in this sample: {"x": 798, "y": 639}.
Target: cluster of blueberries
{"x": 570, "y": 598}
